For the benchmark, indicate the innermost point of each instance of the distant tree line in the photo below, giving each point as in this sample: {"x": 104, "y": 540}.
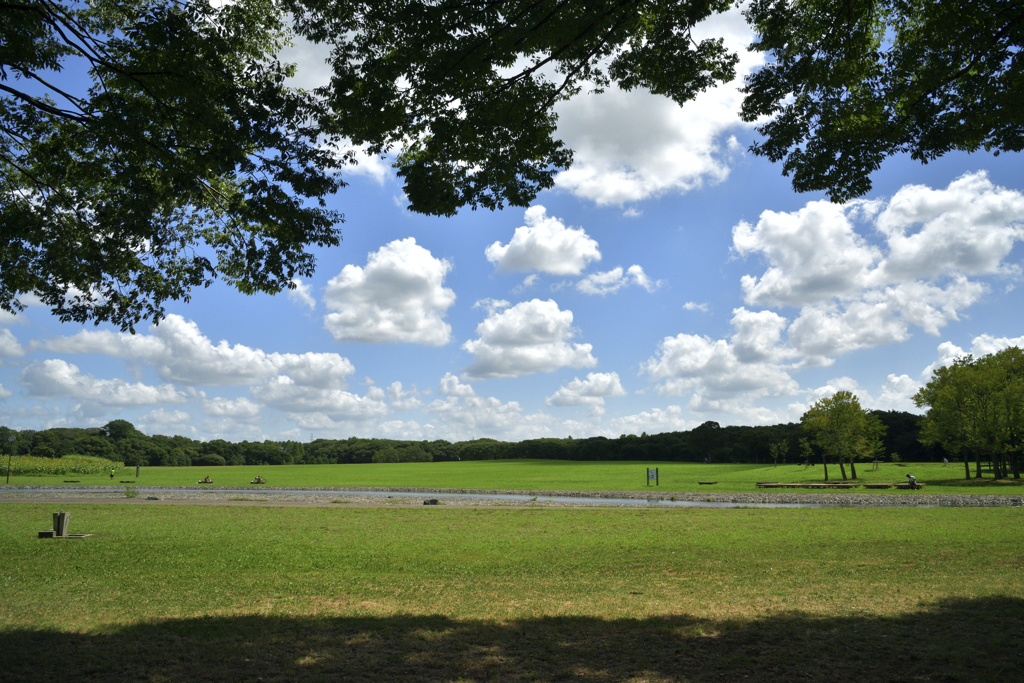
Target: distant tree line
{"x": 120, "y": 440}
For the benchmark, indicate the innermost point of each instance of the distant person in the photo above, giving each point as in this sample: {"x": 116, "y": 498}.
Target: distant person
{"x": 706, "y": 460}
{"x": 945, "y": 461}
{"x": 111, "y": 475}
{"x": 912, "y": 480}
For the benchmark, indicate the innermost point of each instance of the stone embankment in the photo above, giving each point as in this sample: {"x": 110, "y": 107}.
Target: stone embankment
{"x": 466, "y": 497}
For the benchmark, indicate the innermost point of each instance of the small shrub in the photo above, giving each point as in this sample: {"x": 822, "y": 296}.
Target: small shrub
{"x": 130, "y": 492}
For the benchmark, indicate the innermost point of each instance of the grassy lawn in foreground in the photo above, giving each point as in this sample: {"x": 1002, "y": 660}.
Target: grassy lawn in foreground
{"x": 179, "y": 593}
{"x": 549, "y": 475}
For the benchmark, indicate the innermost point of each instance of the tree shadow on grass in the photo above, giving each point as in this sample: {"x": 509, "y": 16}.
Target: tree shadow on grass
{"x": 956, "y": 640}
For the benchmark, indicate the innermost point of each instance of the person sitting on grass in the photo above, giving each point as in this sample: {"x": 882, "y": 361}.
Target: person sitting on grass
{"x": 207, "y": 480}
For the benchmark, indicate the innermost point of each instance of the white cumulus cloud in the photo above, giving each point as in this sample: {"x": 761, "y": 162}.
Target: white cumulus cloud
{"x": 181, "y": 353}
{"x": 529, "y": 337}
{"x": 398, "y": 297}
{"x": 629, "y": 146}
{"x": 59, "y": 379}
{"x": 241, "y": 409}
{"x": 302, "y": 402}
{"x": 302, "y": 294}
{"x": 853, "y": 293}
{"x": 615, "y": 279}
{"x": 590, "y": 392}
{"x": 545, "y": 244}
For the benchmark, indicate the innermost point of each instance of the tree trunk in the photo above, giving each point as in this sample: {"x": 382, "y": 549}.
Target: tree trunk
{"x": 842, "y": 468}
{"x": 977, "y": 465}
{"x": 825, "y": 463}
{"x": 853, "y": 470}
{"x": 967, "y": 467}
{"x": 1015, "y": 459}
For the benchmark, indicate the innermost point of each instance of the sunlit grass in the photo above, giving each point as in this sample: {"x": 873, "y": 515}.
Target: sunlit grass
{"x": 540, "y": 475}
{"x": 171, "y": 593}
{"x": 146, "y": 562}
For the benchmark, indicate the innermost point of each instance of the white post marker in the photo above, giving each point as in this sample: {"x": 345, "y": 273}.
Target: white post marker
{"x": 652, "y": 475}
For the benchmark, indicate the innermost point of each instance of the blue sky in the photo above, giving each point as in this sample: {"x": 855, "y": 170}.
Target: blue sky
{"x": 668, "y": 279}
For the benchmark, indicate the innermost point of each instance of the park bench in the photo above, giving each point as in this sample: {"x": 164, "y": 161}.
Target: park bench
{"x": 905, "y": 485}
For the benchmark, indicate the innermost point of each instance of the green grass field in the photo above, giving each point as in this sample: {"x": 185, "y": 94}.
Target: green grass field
{"x": 167, "y": 593}
{"x": 548, "y": 475}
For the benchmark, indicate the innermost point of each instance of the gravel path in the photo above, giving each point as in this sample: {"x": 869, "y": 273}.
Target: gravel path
{"x": 328, "y": 496}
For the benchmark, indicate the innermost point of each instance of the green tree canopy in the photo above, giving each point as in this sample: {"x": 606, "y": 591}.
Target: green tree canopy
{"x": 976, "y": 407}
{"x": 188, "y": 158}
{"x": 852, "y": 82}
{"x": 185, "y": 159}
{"x": 843, "y": 430}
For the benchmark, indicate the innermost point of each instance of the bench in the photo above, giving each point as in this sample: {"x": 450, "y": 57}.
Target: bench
{"x": 702, "y": 483}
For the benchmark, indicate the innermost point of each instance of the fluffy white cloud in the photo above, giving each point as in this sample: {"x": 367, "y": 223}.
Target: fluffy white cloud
{"x": 629, "y": 146}
{"x": 302, "y": 294}
{"x": 615, "y": 279}
{"x": 814, "y": 254}
{"x": 402, "y": 399}
{"x": 854, "y": 294}
{"x": 655, "y": 421}
{"x": 711, "y": 370}
{"x": 897, "y": 394}
{"x": 398, "y": 297}
{"x": 694, "y": 306}
{"x": 981, "y": 345}
{"x": 5, "y": 393}
{"x": 590, "y": 392}
{"x": 59, "y": 379}
{"x": 170, "y": 422}
{"x": 451, "y": 386}
{"x": 545, "y": 244}
{"x": 9, "y": 346}
{"x": 881, "y": 317}
{"x": 313, "y": 405}
{"x": 241, "y": 409}
{"x": 181, "y": 353}
{"x": 526, "y": 338}
{"x": 969, "y": 228}
{"x": 472, "y": 417}
{"x": 409, "y": 430}
{"x": 758, "y": 335}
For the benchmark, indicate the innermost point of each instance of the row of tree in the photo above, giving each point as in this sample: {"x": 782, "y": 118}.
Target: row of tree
{"x": 120, "y": 440}
{"x": 976, "y": 410}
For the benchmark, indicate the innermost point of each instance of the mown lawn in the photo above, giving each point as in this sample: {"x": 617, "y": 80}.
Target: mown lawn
{"x": 442, "y": 594}
{"x": 547, "y": 475}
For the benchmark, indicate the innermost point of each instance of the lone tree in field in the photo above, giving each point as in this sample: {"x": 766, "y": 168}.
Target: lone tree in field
{"x": 843, "y": 430}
